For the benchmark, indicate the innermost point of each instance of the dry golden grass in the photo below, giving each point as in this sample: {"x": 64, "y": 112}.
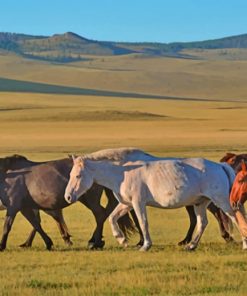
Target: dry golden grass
{"x": 56, "y": 125}
{"x": 215, "y": 79}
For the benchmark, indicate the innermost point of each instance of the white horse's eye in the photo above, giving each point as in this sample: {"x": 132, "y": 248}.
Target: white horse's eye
{"x": 78, "y": 176}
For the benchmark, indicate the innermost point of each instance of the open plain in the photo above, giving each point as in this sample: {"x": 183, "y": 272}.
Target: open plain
{"x": 165, "y": 106}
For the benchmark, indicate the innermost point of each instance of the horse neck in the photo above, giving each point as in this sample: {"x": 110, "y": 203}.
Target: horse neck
{"x": 106, "y": 173}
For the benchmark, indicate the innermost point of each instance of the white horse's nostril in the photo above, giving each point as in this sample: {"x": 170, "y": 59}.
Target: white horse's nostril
{"x": 68, "y": 198}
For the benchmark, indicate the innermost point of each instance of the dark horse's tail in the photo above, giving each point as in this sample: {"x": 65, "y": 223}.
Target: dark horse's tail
{"x": 125, "y": 222}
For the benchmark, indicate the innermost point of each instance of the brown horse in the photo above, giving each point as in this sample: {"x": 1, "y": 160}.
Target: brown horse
{"x": 238, "y": 194}
{"x": 26, "y": 186}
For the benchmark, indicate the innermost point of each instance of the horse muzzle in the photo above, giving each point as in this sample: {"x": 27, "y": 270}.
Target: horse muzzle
{"x": 70, "y": 198}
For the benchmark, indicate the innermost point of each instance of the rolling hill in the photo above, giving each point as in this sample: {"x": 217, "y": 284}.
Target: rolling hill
{"x": 69, "y": 47}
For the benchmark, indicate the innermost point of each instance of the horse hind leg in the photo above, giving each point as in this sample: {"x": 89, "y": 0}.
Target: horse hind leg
{"x": 191, "y": 212}
{"x": 202, "y": 221}
{"x": 30, "y": 216}
{"x": 29, "y": 241}
{"x": 223, "y": 221}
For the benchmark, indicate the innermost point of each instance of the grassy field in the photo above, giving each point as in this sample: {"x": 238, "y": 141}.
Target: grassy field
{"x": 49, "y": 126}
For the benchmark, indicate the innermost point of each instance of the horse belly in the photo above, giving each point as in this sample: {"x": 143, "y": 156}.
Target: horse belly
{"x": 174, "y": 200}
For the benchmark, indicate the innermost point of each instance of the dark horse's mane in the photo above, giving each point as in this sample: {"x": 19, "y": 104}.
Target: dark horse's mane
{"x": 227, "y": 157}
{"x": 15, "y": 157}
{"x": 8, "y": 161}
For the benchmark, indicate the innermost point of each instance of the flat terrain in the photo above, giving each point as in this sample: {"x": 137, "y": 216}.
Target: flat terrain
{"x": 46, "y": 126}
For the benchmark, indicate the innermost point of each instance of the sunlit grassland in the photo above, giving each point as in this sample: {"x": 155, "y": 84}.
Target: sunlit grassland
{"x": 42, "y": 126}
{"x": 186, "y": 78}
{"x": 50, "y": 126}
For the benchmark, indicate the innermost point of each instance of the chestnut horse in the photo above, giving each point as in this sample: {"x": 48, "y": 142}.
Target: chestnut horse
{"x": 238, "y": 194}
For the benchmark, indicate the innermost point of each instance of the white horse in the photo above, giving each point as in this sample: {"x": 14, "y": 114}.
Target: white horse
{"x": 163, "y": 183}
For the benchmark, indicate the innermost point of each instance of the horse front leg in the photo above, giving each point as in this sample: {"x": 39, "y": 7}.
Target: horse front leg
{"x": 135, "y": 219}
{"x": 141, "y": 213}
{"x": 118, "y": 212}
{"x": 91, "y": 199}
{"x": 57, "y": 215}
{"x": 240, "y": 215}
{"x": 202, "y": 221}
{"x": 8, "y": 222}
{"x": 100, "y": 216}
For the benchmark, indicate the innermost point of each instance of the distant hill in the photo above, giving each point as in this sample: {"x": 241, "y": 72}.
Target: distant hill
{"x": 72, "y": 47}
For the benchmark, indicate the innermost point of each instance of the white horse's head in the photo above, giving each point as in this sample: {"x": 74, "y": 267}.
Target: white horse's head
{"x": 80, "y": 180}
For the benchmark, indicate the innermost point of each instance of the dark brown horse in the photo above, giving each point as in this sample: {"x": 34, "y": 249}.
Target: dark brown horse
{"x": 234, "y": 160}
{"x": 26, "y": 186}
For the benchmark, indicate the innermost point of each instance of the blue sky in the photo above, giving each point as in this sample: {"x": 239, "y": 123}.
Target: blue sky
{"x": 127, "y": 20}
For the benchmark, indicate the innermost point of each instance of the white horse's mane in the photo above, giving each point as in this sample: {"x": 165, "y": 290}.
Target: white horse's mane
{"x": 115, "y": 154}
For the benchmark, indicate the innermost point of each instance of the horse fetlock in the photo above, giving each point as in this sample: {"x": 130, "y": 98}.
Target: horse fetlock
{"x": 68, "y": 242}
{"x": 25, "y": 245}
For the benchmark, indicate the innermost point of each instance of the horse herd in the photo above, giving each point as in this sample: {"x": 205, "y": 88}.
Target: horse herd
{"x": 132, "y": 180}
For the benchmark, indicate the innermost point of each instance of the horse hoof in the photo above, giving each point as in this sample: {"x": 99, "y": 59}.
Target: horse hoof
{"x": 25, "y": 246}
{"x": 183, "y": 242}
{"x": 95, "y": 246}
{"x": 144, "y": 248}
{"x": 49, "y": 246}
{"x": 2, "y": 248}
{"x": 125, "y": 244}
{"x": 190, "y": 247}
